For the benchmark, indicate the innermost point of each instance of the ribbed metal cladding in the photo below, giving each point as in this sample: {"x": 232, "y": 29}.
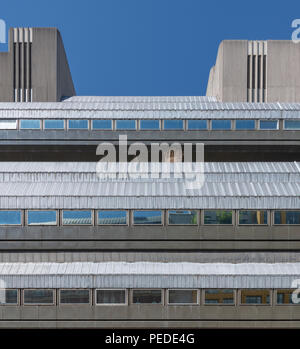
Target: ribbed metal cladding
{"x": 149, "y": 275}
{"x": 257, "y": 71}
{"x": 22, "y": 45}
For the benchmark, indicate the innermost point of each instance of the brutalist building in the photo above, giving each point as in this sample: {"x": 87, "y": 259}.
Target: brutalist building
{"x": 79, "y": 249}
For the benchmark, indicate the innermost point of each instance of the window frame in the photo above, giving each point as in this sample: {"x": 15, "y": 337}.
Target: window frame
{"x": 31, "y": 129}
{"x": 178, "y": 224}
{"x": 150, "y": 129}
{"x": 233, "y": 222}
{"x": 183, "y": 304}
{"x": 107, "y": 225}
{"x": 126, "y": 129}
{"x": 102, "y": 129}
{"x": 85, "y": 224}
{"x": 148, "y": 289}
{"x": 290, "y": 129}
{"x": 252, "y": 224}
{"x": 197, "y": 129}
{"x": 112, "y": 304}
{"x": 34, "y": 289}
{"x": 291, "y": 225}
{"x": 275, "y": 297}
{"x": 174, "y": 129}
{"x": 255, "y": 304}
{"x": 14, "y": 225}
{"x": 268, "y": 129}
{"x": 10, "y": 129}
{"x": 73, "y": 289}
{"x": 78, "y": 129}
{"x": 41, "y": 225}
{"x": 143, "y": 224}
{"x": 54, "y": 129}
{"x": 234, "y": 304}
{"x": 18, "y": 297}
{"x": 222, "y": 129}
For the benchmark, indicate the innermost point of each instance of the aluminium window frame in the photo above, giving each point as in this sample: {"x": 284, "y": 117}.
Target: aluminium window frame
{"x": 167, "y": 297}
{"x": 240, "y": 304}
{"x": 275, "y": 292}
{"x": 186, "y": 225}
{"x": 162, "y": 303}
{"x": 41, "y": 225}
{"x": 43, "y": 304}
{"x": 286, "y": 224}
{"x": 252, "y": 224}
{"x": 18, "y": 297}
{"x": 268, "y": 129}
{"x": 112, "y": 304}
{"x": 90, "y": 303}
{"x": 290, "y": 129}
{"x": 235, "y": 297}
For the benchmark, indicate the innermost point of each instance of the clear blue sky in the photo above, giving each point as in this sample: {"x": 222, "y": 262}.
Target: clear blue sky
{"x": 149, "y": 47}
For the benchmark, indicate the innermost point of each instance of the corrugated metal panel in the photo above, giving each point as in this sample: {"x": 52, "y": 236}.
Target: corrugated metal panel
{"x": 149, "y": 274}
{"x": 139, "y": 99}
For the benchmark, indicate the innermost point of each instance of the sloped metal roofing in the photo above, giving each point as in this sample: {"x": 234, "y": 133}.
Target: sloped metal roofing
{"x": 148, "y": 274}
{"x": 139, "y": 99}
{"x": 173, "y": 109}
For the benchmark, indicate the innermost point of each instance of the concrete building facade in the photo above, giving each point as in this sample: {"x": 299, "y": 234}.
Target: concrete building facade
{"x": 82, "y": 251}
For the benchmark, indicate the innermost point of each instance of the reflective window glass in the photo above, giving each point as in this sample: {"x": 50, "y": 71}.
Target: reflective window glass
{"x": 219, "y": 296}
{"x": 245, "y": 124}
{"x": 74, "y": 296}
{"x": 41, "y": 217}
{"x": 287, "y": 217}
{"x": 54, "y": 124}
{"x": 183, "y": 297}
{"x": 77, "y": 217}
{"x": 31, "y": 124}
{"x": 110, "y": 297}
{"x": 149, "y": 125}
{"x": 112, "y": 217}
{"x": 185, "y": 217}
{"x": 102, "y": 124}
{"x": 10, "y": 217}
{"x": 268, "y": 124}
{"x": 38, "y": 296}
{"x": 125, "y": 124}
{"x": 147, "y": 217}
{"x": 253, "y": 217}
{"x": 78, "y": 124}
{"x": 197, "y": 124}
{"x": 146, "y": 296}
{"x": 173, "y": 124}
{"x": 217, "y": 217}
{"x": 221, "y": 124}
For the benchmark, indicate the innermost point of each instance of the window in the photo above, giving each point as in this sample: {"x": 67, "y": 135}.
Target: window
{"x": 183, "y": 217}
{"x": 77, "y": 217}
{"x": 111, "y": 297}
{"x": 245, "y": 124}
{"x": 197, "y": 124}
{"x": 217, "y": 217}
{"x": 268, "y": 124}
{"x": 219, "y": 296}
{"x": 112, "y": 217}
{"x": 253, "y": 217}
{"x": 149, "y": 125}
{"x": 287, "y": 217}
{"x": 74, "y": 296}
{"x": 292, "y": 124}
{"x": 54, "y": 124}
{"x": 125, "y": 124}
{"x": 285, "y": 297}
{"x": 78, "y": 124}
{"x": 38, "y": 296}
{"x": 102, "y": 124}
{"x": 8, "y": 296}
{"x": 147, "y": 217}
{"x": 30, "y": 124}
{"x": 41, "y": 217}
{"x": 252, "y": 296}
{"x": 173, "y": 124}
{"x": 10, "y": 218}
{"x": 182, "y": 297}
{"x": 221, "y": 124}
{"x": 146, "y": 297}
{"x": 8, "y": 124}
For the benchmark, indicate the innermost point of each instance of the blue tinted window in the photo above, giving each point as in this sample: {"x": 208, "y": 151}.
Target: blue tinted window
{"x": 54, "y": 124}
{"x": 125, "y": 124}
{"x": 245, "y": 124}
{"x": 102, "y": 124}
{"x": 78, "y": 124}
{"x": 292, "y": 124}
{"x": 173, "y": 124}
{"x": 147, "y": 217}
{"x": 183, "y": 217}
{"x": 197, "y": 124}
{"x": 149, "y": 124}
{"x": 268, "y": 124}
{"x": 287, "y": 217}
{"x": 30, "y": 124}
{"x": 112, "y": 217}
{"x": 41, "y": 217}
{"x": 77, "y": 217}
{"x": 221, "y": 124}
{"x": 10, "y": 217}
